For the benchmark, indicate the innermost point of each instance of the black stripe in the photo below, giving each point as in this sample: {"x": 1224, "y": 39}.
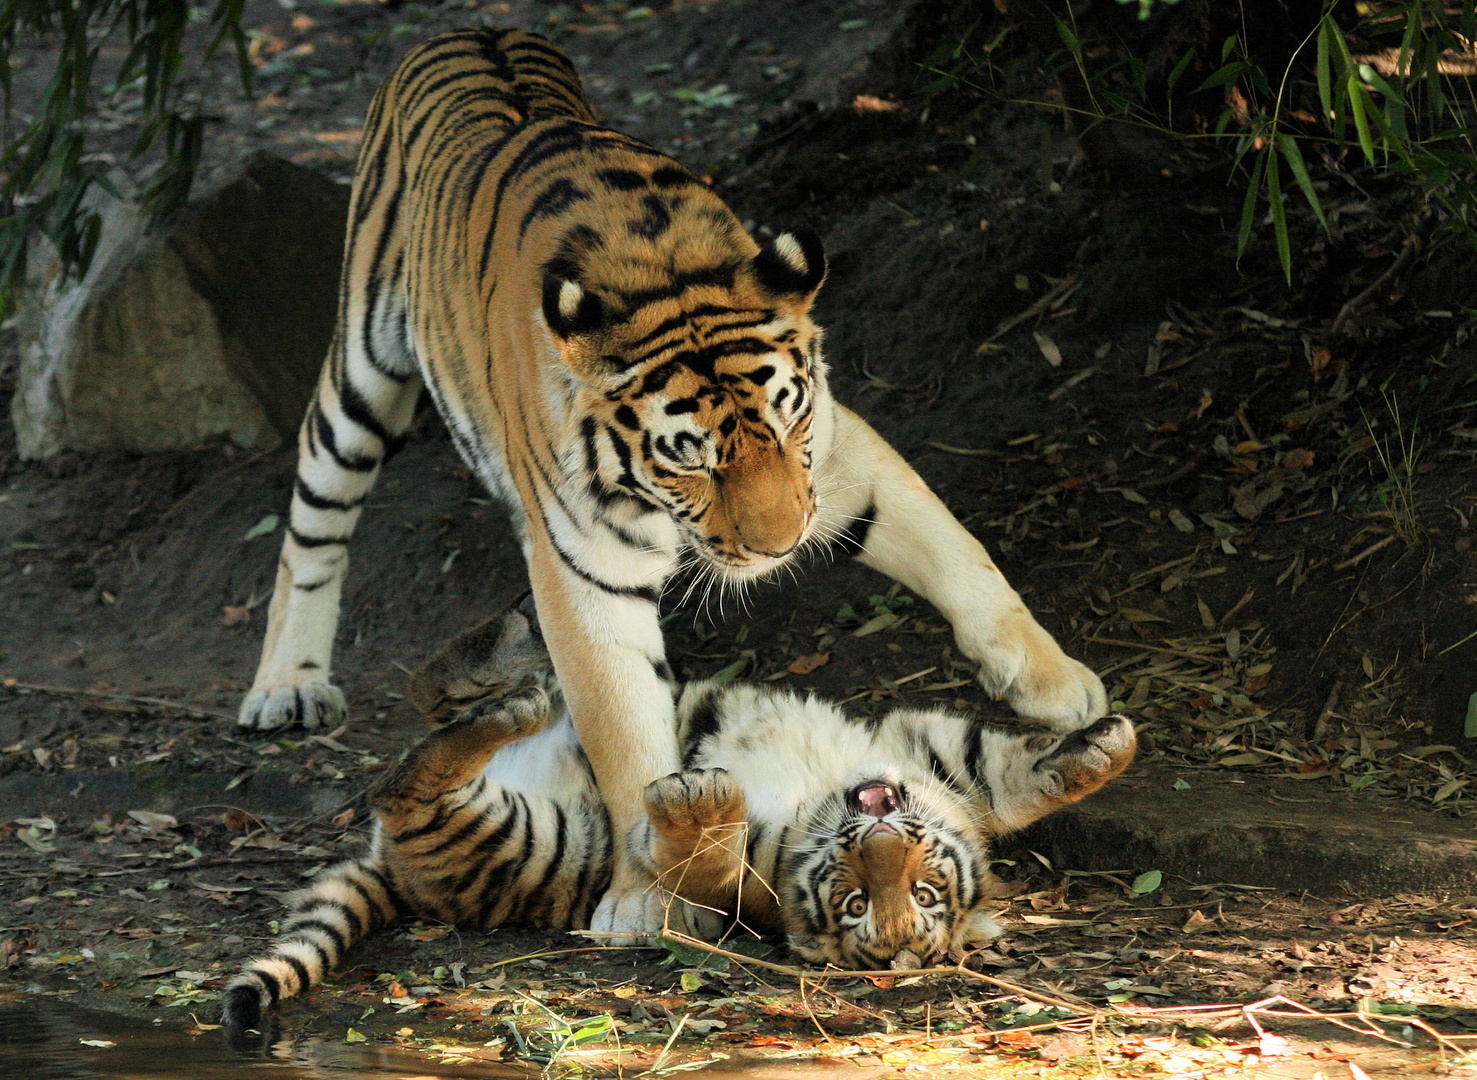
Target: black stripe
{"x": 702, "y": 721}
{"x": 305, "y": 540}
{"x": 273, "y": 987}
{"x": 478, "y": 820}
{"x": 556, "y": 860}
{"x": 329, "y": 441}
{"x": 304, "y": 979}
{"x": 719, "y": 276}
{"x": 853, "y": 540}
{"x": 553, "y": 200}
{"x": 323, "y": 502}
{"x": 297, "y": 926}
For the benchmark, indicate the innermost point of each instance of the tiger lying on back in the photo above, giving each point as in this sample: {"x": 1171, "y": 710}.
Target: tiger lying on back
{"x": 864, "y": 840}
{"x": 638, "y": 379}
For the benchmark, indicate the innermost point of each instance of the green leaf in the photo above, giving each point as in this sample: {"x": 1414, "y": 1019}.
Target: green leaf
{"x": 1147, "y": 882}
{"x": 1470, "y": 729}
{"x": 1279, "y": 217}
{"x": 1221, "y": 76}
{"x": 1180, "y": 784}
{"x": 726, "y": 675}
{"x": 1069, "y": 39}
{"x": 1359, "y": 106}
{"x": 692, "y": 981}
{"x": 265, "y": 527}
{"x": 1248, "y": 208}
{"x": 1179, "y": 68}
{"x": 751, "y": 947}
{"x": 355, "y": 1036}
{"x": 1289, "y": 147}
{"x": 1324, "y": 68}
{"x": 687, "y": 956}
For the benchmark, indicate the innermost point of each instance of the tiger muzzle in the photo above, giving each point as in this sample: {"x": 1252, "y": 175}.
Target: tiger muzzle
{"x": 884, "y": 858}
{"x": 767, "y": 504}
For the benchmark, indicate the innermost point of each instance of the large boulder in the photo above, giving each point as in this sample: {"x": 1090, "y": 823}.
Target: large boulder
{"x": 212, "y": 326}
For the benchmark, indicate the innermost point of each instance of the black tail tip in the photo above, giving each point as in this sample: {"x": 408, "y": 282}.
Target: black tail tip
{"x": 242, "y": 1008}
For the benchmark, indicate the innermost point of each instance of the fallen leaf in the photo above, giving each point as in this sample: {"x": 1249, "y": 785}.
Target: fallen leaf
{"x": 104, "y": 1044}
{"x": 1274, "y": 1045}
{"x": 876, "y": 623}
{"x": 235, "y": 616}
{"x": 1196, "y": 921}
{"x": 867, "y": 103}
{"x": 1135, "y": 615}
{"x": 154, "y": 822}
{"x": 343, "y": 819}
{"x": 806, "y": 664}
{"x": 354, "y": 1036}
{"x": 265, "y": 527}
{"x": 1298, "y": 459}
{"x": 238, "y": 819}
{"x": 1048, "y": 347}
{"x": 1322, "y": 363}
{"x": 1147, "y": 882}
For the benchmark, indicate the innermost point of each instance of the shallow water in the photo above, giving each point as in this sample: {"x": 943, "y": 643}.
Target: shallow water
{"x": 43, "y": 1040}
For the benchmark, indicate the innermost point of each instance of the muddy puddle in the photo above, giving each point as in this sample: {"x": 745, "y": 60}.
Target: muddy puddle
{"x": 42, "y": 1040}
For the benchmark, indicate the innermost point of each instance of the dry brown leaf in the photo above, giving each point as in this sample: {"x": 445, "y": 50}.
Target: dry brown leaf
{"x": 806, "y": 664}
{"x": 1196, "y": 921}
{"x": 1298, "y": 459}
{"x": 235, "y": 616}
{"x": 869, "y": 103}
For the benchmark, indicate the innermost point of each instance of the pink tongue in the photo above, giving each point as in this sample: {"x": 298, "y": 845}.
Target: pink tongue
{"x": 874, "y": 799}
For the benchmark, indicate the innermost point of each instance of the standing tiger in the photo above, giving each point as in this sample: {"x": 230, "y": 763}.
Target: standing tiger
{"x": 620, "y": 362}
{"x": 865, "y": 841}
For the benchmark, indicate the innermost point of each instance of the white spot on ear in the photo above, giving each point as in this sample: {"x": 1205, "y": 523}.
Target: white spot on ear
{"x": 974, "y": 931}
{"x": 570, "y": 295}
{"x": 788, "y": 248}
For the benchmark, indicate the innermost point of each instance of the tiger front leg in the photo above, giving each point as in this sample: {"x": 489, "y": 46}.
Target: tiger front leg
{"x": 340, "y": 451}
{"x": 608, "y": 655}
{"x": 699, "y": 835}
{"x": 889, "y": 519}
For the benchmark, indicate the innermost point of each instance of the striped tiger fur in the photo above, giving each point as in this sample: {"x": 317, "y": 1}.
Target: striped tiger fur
{"x": 638, "y": 379}
{"x": 864, "y": 841}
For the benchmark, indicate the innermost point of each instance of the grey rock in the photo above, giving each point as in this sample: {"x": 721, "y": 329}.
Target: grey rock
{"x": 214, "y": 326}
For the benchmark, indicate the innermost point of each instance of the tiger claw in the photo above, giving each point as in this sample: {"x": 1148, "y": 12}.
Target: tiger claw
{"x": 310, "y": 705}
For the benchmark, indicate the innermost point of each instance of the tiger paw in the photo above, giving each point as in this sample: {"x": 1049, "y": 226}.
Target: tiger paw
{"x": 685, "y": 803}
{"x": 311, "y": 705}
{"x": 515, "y": 714}
{"x": 1022, "y": 663}
{"x": 642, "y": 916}
{"x": 1085, "y": 760}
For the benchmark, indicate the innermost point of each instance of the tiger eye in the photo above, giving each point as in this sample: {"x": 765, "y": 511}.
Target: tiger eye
{"x": 857, "y": 906}
{"x": 925, "y": 896}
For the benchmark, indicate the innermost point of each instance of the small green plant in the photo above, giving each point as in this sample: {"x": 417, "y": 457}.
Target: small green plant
{"x": 1398, "y": 453}
{"x": 1402, "y": 103}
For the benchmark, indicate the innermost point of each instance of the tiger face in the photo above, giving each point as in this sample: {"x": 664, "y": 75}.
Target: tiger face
{"x": 895, "y": 878}
{"x": 702, "y": 404}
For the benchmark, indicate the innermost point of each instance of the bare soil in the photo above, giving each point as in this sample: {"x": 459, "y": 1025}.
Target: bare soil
{"x": 1258, "y": 529}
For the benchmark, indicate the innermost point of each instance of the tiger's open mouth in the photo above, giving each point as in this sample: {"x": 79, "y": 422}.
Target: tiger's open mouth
{"x": 875, "y": 798}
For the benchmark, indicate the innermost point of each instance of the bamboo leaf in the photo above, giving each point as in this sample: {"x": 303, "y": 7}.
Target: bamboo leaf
{"x": 1279, "y": 216}
{"x": 1358, "y": 105}
{"x": 1324, "y": 69}
{"x": 1289, "y": 147}
{"x": 1248, "y": 208}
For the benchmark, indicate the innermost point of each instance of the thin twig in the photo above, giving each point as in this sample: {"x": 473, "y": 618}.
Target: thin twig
{"x": 132, "y": 699}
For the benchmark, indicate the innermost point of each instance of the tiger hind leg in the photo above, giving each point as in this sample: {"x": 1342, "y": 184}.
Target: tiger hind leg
{"x": 346, "y": 903}
{"x": 1036, "y": 774}
{"x": 426, "y": 786}
{"x": 501, "y": 654}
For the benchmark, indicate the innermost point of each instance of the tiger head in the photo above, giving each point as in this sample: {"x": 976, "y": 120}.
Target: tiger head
{"x": 896, "y": 876}
{"x": 698, "y": 371}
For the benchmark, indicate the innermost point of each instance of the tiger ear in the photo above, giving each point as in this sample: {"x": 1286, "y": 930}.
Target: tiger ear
{"x": 569, "y": 309}
{"x": 792, "y": 265}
